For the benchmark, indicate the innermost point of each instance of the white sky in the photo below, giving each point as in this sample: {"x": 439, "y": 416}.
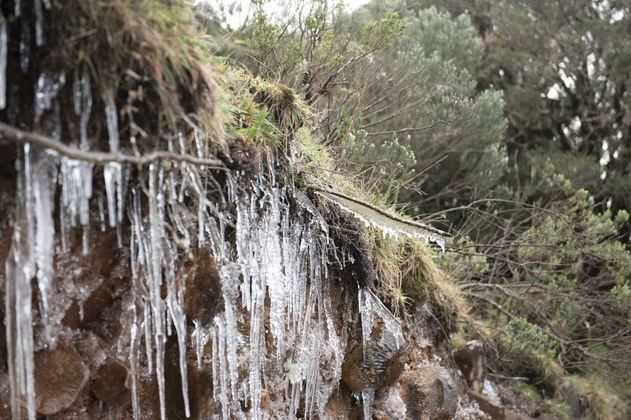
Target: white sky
{"x": 275, "y": 8}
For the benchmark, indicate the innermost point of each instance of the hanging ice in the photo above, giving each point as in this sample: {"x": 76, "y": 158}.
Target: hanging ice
{"x": 31, "y": 255}
{"x": 112, "y": 172}
{"x": 19, "y": 270}
{"x": 43, "y": 190}
{"x": 272, "y": 271}
{"x": 39, "y": 22}
{"x": 82, "y": 91}
{"x": 3, "y": 61}
{"x": 372, "y": 309}
{"x": 281, "y": 262}
{"x": 25, "y": 44}
{"x": 48, "y": 86}
{"x": 368, "y": 397}
{"x": 390, "y": 225}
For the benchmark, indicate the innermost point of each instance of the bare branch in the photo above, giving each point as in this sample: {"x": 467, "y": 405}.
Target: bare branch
{"x": 23, "y": 137}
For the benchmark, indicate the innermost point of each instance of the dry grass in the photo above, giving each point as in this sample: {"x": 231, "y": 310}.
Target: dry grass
{"x": 149, "y": 54}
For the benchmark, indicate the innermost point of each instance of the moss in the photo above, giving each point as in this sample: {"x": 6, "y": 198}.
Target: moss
{"x": 559, "y": 409}
{"x": 604, "y": 402}
{"x": 406, "y": 269}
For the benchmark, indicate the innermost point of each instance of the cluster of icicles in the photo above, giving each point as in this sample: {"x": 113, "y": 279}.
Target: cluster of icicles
{"x": 277, "y": 254}
{"x": 276, "y": 265}
{"x": 25, "y": 39}
{"x": 279, "y": 258}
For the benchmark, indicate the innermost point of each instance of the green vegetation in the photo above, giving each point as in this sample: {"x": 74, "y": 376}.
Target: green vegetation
{"x": 504, "y": 122}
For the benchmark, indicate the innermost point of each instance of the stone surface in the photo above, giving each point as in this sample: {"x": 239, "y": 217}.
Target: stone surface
{"x": 389, "y": 404}
{"x": 429, "y": 393}
{"x": 470, "y": 360}
{"x": 60, "y": 375}
{"x": 495, "y": 411}
{"x": 110, "y": 384}
{"x": 380, "y": 367}
{"x": 202, "y": 296}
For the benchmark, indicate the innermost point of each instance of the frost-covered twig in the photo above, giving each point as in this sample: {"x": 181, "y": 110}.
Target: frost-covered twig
{"x": 383, "y": 212}
{"x": 21, "y": 137}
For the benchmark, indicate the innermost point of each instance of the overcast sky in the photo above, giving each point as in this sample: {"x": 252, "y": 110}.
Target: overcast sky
{"x": 275, "y": 8}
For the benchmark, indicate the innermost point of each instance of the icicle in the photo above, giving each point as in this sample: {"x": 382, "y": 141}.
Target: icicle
{"x": 85, "y": 240}
{"x": 230, "y": 289}
{"x": 222, "y": 368}
{"x": 156, "y": 204}
{"x": 62, "y": 227}
{"x": 25, "y": 45}
{"x": 112, "y": 172}
{"x": 3, "y": 61}
{"x": 133, "y": 365}
{"x": 43, "y": 188}
{"x": 365, "y": 312}
{"x": 39, "y": 23}
{"x": 48, "y": 86}
{"x": 17, "y": 8}
{"x": 214, "y": 363}
{"x": 83, "y": 103}
{"x": 368, "y": 396}
{"x": 175, "y": 303}
{"x": 111, "y": 115}
{"x": 99, "y": 202}
{"x": 148, "y": 336}
{"x": 19, "y": 270}
{"x": 200, "y": 340}
{"x": 75, "y": 178}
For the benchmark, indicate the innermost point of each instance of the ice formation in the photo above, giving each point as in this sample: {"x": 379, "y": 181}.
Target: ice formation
{"x": 4, "y": 43}
{"x": 272, "y": 263}
{"x": 280, "y": 258}
{"x": 389, "y": 225}
{"x": 275, "y": 266}
{"x": 371, "y": 309}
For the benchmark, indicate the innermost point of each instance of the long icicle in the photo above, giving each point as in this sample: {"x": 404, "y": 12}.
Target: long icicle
{"x": 19, "y": 270}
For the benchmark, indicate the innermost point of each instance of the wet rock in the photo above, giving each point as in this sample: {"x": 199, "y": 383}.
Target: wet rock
{"x": 337, "y": 408}
{"x": 90, "y": 347}
{"x": 514, "y": 415}
{"x": 470, "y": 360}
{"x": 110, "y": 384}
{"x": 429, "y": 393}
{"x": 203, "y": 287}
{"x": 199, "y": 392}
{"x": 389, "y": 404}
{"x": 380, "y": 367}
{"x": 60, "y": 375}
{"x": 92, "y": 308}
{"x": 5, "y": 396}
{"x": 495, "y": 411}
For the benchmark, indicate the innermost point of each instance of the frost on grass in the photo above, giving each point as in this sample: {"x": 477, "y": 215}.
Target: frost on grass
{"x": 390, "y": 225}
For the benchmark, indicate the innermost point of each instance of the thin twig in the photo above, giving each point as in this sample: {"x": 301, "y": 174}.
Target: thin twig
{"x": 22, "y": 137}
{"x": 383, "y": 212}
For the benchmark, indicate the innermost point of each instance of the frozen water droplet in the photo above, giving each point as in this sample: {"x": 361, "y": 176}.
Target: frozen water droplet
{"x": 3, "y": 61}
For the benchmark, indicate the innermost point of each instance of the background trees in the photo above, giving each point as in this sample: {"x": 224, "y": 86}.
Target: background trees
{"x": 507, "y": 122}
